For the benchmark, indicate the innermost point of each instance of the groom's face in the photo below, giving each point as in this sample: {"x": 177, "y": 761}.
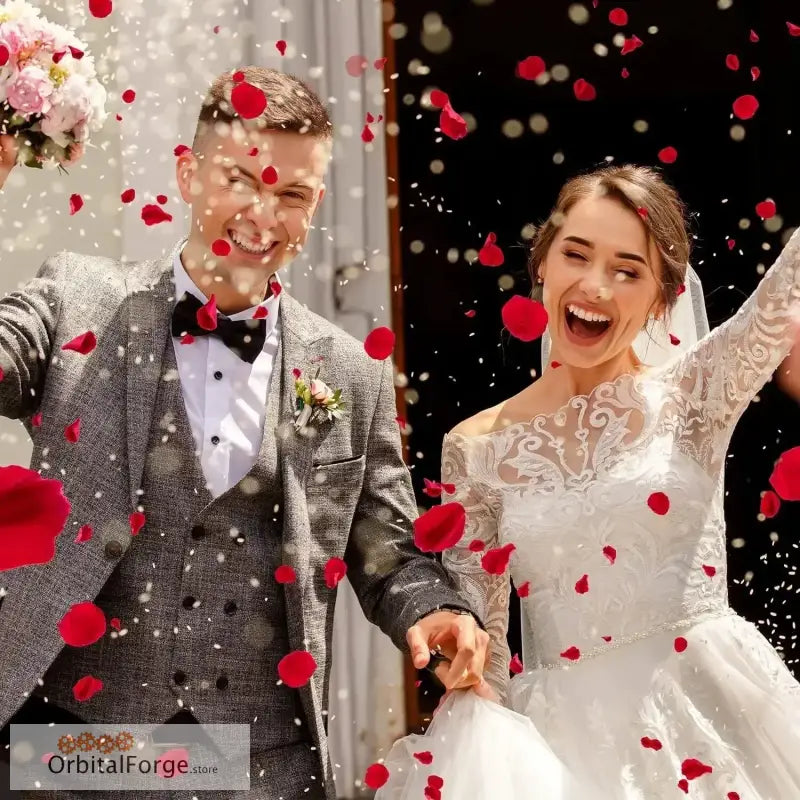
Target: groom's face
{"x": 256, "y": 191}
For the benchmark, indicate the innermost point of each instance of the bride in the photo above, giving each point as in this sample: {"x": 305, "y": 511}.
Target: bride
{"x": 603, "y": 483}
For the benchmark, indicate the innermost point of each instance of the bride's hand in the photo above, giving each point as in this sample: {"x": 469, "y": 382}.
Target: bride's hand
{"x": 482, "y": 689}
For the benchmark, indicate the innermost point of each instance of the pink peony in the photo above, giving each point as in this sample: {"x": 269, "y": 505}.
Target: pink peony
{"x": 31, "y": 91}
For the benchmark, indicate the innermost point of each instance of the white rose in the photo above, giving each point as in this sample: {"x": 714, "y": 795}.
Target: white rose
{"x": 320, "y": 391}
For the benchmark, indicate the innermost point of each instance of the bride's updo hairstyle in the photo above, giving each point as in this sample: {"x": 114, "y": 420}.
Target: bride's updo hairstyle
{"x": 646, "y": 194}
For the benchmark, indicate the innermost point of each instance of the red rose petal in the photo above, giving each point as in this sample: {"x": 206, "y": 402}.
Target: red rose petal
{"x": 625, "y": 72}
{"x": 269, "y": 175}
{"x": 745, "y": 107}
{"x": 755, "y": 73}
{"x": 651, "y": 744}
{"x": 490, "y": 255}
{"x": 207, "y": 315}
{"x": 367, "y": 135}
{"x": 56, "y": 56}
{"x": 680, "y": 644}
{"x": 439, "y": 99}
{"x": 582, "y": 585}
{"x": 425, "y": 757}
{"x": 187, "y": 338}
{"x": 606, "y": 638}
{"x": 435, "y": 781}
{"x": 355, "y": 66}
{"x": 75, "y": 204}
{"x": 495, "y": 561}
{"x": 766, "y": 209}
{"x": 136, "y": 521}
{"x": 260, "y": 313}
{"x": 618, "y": 16}
{"x": 524, "y": 318}
{"x": 753, "y": 36}
{"x": 785, "y": 478}
{"x": 524, "y": 589}
{"x": 82, "y": 625}
{"x": 285, "y": 574}
{"x": 692, "y": 768}
{"x": 439, "y": 528}
{"x": 335, "y": 570}
{"x": 610, "y": 553}
{"x": 531, "y": 68}
{"x": 34, "y": 512}
{"x": 100, "y": 8}
{"x": 709, "y": 570}
{"x": 220, "y": 247}
{"x": 5, "y": 55}
{"x": 73, "y": 431}
{"x": 153, "y": 214}
{"x": 296, "y": 668}
{"x": 452, "y": 123}
{"x": 36, "y": 419}
{"x": 659, "y": 503}
{"x": 376, "y": 775}
{"x": 379, "y": 63}
{"x": 448, "y": 488}
{"x": 794, "y": 30}
{"x": 470, "y": 314}
{"x": 476, "y": 546}
{"x": 669, "y": 155}
{"x": 379, "y": 343}
{"x": 161, "y": 198}
{"x": 732, "y": 61}
{"x": 247, "y": 100}
{"x": 674, "y": 340}
{"x": 128, "y": 96}
{"x": 733, "y": 796}
{"x": 84, "y": 343}
{"x": 634, "y": 43}
{"x": 84, "y": 534}
{"x": 432, "y": 488}
{"x": 584, "y": 90}
{"x": 770, "y": 504}
{"x": 238, "y": 76}
{"x": 128, "y": 195}
{"x": 515, "y": 665}
{"x": 681, "y": 290}
{"x": 571, "y": 653}
{"x": 75, "y": 52}
{"x": 731, "y": 244}
{"x": 555, "y": 364}
{"x": 115, "y": 623}
{"x": 280, "y": 46}
{"x": 86, "y": 688}
{"x": 181, "y": 148}
{"x": 683, "y": 785}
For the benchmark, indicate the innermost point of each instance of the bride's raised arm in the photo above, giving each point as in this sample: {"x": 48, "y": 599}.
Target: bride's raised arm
{"x": 727, "y": 368}
{"x": 487, "y": 594}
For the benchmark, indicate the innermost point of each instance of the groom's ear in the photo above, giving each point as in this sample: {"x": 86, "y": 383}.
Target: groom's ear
{"x": 186, "y": 168}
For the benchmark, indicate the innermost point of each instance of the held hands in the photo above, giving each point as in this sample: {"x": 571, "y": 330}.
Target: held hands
{"x": 459, "y": 639}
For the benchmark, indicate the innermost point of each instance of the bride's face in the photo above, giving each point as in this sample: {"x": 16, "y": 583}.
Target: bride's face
{"x": 600, "y": 265}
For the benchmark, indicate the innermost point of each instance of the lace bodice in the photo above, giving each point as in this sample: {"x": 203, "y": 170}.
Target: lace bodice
{"x": 582, "y": 493}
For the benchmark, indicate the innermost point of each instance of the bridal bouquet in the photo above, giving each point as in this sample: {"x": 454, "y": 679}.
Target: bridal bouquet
{"x": 50, "y": 97}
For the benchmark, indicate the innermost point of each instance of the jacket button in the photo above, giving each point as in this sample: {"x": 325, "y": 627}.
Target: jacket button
{"x": 222, "y": 682}
{"x": 198, "y": 532}
{"x": 113, "y": 549}
{"x": 179, "y": 676}
{"x": 188, "y": 602}
{"x": 230, "y": 608}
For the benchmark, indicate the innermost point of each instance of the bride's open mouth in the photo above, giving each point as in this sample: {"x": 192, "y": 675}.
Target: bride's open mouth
{"x": 583, "y": 331}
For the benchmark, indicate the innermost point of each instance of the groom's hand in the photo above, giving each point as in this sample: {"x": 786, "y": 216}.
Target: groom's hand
{"x": 458, "y": 638}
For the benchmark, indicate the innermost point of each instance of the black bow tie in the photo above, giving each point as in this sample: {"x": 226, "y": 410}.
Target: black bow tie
{"x": 244, "y": 337}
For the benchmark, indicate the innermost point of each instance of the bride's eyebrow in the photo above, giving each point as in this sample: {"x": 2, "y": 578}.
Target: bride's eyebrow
{"x": 590, "y": 245}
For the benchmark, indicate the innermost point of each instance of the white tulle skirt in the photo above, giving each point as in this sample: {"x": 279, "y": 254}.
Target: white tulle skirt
{"x": 481, "y": 751}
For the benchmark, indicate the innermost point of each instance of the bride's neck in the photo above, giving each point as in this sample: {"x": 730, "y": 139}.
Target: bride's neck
{"x": 571, "y": 381}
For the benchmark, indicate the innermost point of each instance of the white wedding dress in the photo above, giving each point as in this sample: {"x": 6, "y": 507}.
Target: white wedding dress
{"x": 637, "y": 674}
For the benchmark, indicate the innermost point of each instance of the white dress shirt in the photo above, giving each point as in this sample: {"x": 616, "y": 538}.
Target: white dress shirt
{"x": 225, "y": 397}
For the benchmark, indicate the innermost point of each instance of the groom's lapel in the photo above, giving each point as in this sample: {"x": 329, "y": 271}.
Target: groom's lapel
{"x": 150, "y": 291}
{"x": 305, "y": 346}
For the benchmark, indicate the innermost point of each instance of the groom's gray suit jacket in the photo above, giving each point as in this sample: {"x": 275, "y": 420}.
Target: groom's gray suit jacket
{"x": 342, "y": 492}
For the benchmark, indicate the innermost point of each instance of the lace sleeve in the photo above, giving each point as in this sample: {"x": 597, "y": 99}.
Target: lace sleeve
{"x": 726, "y": 368}
{"x": 487, "y": 594}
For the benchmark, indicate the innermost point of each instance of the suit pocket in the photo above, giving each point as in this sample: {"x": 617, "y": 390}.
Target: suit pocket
{"x": 329, "y": 476}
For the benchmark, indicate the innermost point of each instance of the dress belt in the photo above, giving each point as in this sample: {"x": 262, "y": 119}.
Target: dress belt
{"x": 663, "y": 627}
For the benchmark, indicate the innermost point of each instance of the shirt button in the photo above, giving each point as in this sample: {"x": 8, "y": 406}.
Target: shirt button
{"x": 113, "y": 549}
{"x": 198, "y": 532}
{"x": 230, "y": 608}
{"x": 218, "y": 375}
{"x": 215, "y": 440}
{"x": 188, "y": 602}
{"x": 222, "y": 682}
{"x": 179, "y": 676}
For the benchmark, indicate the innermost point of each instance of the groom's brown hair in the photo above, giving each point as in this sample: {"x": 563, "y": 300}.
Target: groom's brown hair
{"x": 291, "y": 105}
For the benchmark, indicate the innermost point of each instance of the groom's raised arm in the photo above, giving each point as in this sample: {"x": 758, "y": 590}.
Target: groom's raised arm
{"x": 395, "y": 583}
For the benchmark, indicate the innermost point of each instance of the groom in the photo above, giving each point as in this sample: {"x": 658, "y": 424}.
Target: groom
{"x": 195, "y": 430}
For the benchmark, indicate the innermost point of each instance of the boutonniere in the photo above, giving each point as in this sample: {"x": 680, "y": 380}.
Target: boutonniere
{"x": 315, "y": 400}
